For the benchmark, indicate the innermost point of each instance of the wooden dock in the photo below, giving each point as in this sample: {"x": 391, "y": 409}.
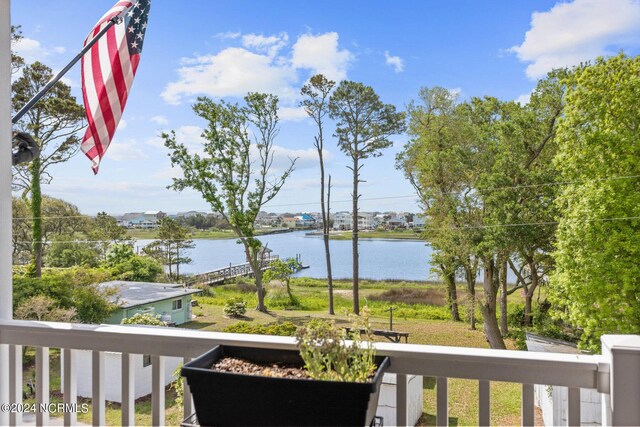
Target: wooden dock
{"x": 218, "y": 276}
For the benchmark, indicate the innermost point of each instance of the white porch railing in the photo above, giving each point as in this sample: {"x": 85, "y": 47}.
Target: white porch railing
{"x": 616, "y": 373}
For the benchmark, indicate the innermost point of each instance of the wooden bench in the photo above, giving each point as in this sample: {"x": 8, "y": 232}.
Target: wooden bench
{"x": 393, "y": 336}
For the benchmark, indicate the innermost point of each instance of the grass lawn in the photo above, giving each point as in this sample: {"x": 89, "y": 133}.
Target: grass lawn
{"x": 426, "y": 324}
{"x": 413, "y": 318}
{"x": 197, "y": 234}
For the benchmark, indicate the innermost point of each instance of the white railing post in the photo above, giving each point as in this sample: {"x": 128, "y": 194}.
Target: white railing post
{"x": 622, "y": 405}
{"x": 42, "y": 385}
{"x": 6, "y": 291}
{"x": 157, "y": 391}
{"x": 15, "y": 382}
{"x": 402, "y": 400}
{"x": 97, "y": 389}
{"x": 70, "y": 385}
{"x": 128, "y": 393}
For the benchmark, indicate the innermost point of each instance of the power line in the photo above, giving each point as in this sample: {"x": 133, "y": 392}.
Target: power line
{"x": 467, "y": 227}
{"x": 490, "y": 189}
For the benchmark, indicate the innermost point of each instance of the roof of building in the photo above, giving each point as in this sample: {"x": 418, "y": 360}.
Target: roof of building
{"x": 549, "y": 345}
{"x": 132, "y": 294}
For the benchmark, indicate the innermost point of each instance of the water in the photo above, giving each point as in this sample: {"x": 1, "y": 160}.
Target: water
{"x": 379, "y": 259}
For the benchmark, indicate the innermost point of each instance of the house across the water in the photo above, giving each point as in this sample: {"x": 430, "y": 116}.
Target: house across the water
{"x": 168, "y": 300}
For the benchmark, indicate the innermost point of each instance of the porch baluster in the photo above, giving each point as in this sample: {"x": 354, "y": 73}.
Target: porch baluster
{"x": 128, "y": 396}
{"x": 70, "y": 386}
{"x": 527, "y": 405}
{"x": 157, "y": 391}
{"x": 442, "y": 402}
{"x": 42, "y": 385}
{"x": 484, "y": 403}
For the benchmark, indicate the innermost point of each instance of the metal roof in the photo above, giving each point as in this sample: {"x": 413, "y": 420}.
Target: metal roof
{"x": 132, "y": 294}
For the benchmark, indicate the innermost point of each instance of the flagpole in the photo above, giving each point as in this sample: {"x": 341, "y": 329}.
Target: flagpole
{"x": 115, "y": 20}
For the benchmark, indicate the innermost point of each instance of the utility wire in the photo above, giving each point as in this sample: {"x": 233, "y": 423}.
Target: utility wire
{"x": 491, "y": 189}
{"x": 464, "y": 227}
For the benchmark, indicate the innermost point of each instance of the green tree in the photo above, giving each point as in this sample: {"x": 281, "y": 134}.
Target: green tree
{"x": 54, "y": 123}
{"x": 171, "y": 246}
{"x": 105, "y": 231}
{"x": 438, "y": 162}
{"x": 363, "y": 128}
{"x": 65, "y": 251}
{"x": 125, "y": 265}
{"x": 17, "y": 61}
{"x": 59, "y": 218}
{"x": 315, "y": 104}
{"x": 282, "y": 270}
{"x": 225, "y": 174}
{"x": 597, "y": 281}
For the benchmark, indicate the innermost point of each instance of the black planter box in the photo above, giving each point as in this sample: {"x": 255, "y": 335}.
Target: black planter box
{"x": 226, "y": 399}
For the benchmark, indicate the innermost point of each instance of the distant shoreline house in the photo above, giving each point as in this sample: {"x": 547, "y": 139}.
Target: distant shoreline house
{"x": 171, "y": 301}
{"x": 142, "y": 220}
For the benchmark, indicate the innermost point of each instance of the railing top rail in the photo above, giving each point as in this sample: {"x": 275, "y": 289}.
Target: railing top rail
{"x": 572, "y": 370}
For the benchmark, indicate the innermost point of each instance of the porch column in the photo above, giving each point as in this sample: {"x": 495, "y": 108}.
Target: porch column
{"x": 620, "y": 407}
{"x": 6, "y": 292}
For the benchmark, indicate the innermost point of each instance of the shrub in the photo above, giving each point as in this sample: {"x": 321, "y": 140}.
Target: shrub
{"x": 235, "y": 307}
{"x": 42, "y": 307}
{"x": 143, "y": 319}
{"x": 287, "y": 329}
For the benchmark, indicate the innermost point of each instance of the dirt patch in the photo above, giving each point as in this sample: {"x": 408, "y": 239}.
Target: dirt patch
{"x": 412, "y": 296}
{"x": 240, "y": 366}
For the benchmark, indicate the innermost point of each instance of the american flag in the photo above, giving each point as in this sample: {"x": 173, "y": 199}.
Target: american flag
{"x": 108, "y": 69}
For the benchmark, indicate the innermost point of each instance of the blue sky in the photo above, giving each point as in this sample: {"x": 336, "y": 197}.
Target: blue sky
{"x": 226, "y": 48}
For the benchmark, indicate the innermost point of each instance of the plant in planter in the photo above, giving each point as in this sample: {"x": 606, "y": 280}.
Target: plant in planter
{"x": 334, "y": 379}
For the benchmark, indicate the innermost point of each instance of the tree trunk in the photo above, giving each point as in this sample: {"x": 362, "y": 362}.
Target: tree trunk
{"x": 36, "y": 213}
{"x": 325, "y": 230}
{"x": 452, "y": 293}
{"x": 256, "y": 268}
{"x": 354, "y": 237}
{"x": 504, "y": 325}
{"x": 178, "y": 261}
{"x": 470, "y": 276}
{"x": 488, "y": 308}
{"x": 261, "y": 292}
{"x": 528, "y": 297}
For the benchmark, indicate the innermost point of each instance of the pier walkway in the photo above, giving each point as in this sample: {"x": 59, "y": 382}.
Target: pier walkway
{"x": 218, "y": 276}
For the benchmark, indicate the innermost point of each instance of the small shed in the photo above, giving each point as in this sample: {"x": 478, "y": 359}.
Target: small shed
{"x": 553, "y": 400}
{"x": 164, "y": 299}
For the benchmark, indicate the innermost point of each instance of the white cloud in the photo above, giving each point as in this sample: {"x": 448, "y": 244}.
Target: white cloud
{"x": 270, "y": 45}
{"x": 294, "y": 114}
{"x": 125, "y": 149}
{"x": 523, "y": 99}
{"x": 160, "y": 120}
{"x": 570, "y": 33}
{"x": 190, "y": 136}
{"x": 227, "y": 35}
{"x": 306, "y": 158}
{"x": 395, "y": 61}
{"x": 232, "y": 72}
{"x": 32, "y": 50}
{"x": 262, "y": 64}
{"x": 122, "y": 124}
{"x": 321, "y": 55}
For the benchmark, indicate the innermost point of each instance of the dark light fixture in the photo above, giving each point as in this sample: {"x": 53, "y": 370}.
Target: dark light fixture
{"x": 25, "y": 148}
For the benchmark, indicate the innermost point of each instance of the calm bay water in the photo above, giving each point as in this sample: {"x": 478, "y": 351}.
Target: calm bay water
{"x": 379, "y": 259}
